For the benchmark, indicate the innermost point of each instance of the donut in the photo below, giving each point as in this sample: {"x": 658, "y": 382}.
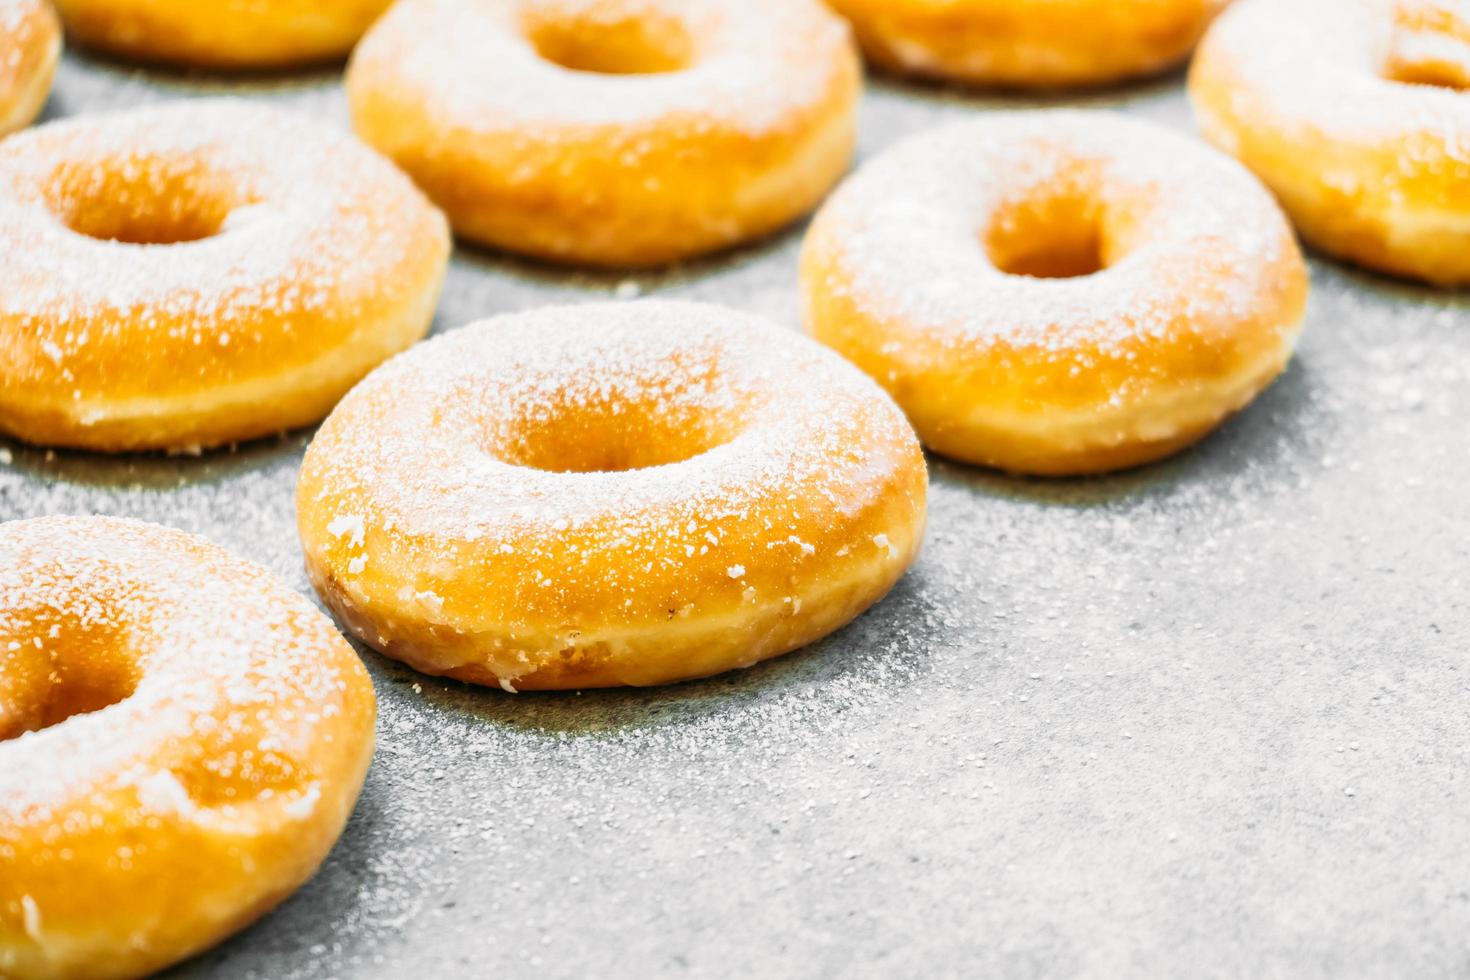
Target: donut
{"x": 1357, "y": 115}
{"x": 609, "y": 494}
{"x": 200, "y": 273}
{"x": 1028, "y": 44}
{"x": 1056, "y": 293}
{"x": 30, "y": 46}
{"x": 611, "y": 133}
{"x": 221, "y": 34}
{"x": 182, "y": 738}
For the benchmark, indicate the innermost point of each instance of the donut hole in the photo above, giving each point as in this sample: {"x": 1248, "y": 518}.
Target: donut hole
{"x": 605, "y": 39}
{"x": 1048, "y": 237}
{"x": 612, "y": 432}
{"x": 85, "y": 685}
{"x": 1436, "y": 73}
{"x": 145, "y": 202}
{"x": 1431, "y": 46}
{"x": 62, "y": 677}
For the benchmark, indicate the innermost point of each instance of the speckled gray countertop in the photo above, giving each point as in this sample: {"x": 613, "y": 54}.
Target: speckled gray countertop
{"x": 1206, "y": 718}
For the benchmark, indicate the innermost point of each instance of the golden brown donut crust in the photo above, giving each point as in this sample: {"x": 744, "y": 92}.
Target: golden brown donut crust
{"x": 182, "y": 738}
{"x": 1056, "y": 293}
{"x": 611, "y": 494}
{"x": 689, "y": 125}
{"x": 1355, "y": 114}
{"x": 30, "y": 46}
{"x": 201, "y": 273}
{"x": 223, "y": 34}
{"x": 1031, "y": 44}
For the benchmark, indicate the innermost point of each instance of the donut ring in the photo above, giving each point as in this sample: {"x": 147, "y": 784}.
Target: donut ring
{"x": 609, "y": 494}
{"x": 1356, "y": 115}
{"x": 223, "y": 34}
{"x": 1056, "y": 292}
{"x": 182, "y": 738}
{"x": 1030, "y": 44}
{"x": 30, "y": 46}
{"x": 299, "y": 260}
{"x": 614, "y": 133}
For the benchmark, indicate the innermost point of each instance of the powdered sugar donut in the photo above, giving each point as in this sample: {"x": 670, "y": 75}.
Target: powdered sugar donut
{"x": 1057, "y": 292}
{"x": 30, "y": 44}
{"x": 1355, "y": 113}
{"x": 201, "y": 273}
{"x": 1028, "y": 43}
{"x": 608, "y": 494}
{"x": 229, "y": 34}
{"x": 611, "y": 132}
{"x": 182, "y": 738}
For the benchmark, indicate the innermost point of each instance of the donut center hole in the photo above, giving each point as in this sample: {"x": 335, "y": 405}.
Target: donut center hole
{"x": 1431, "y": 46}
{"x": 1048, "y": 238}
{"x": 1437, "y": 73}
{"x": 606, "y": 40}
{"x": 145, "y": 202}
{"x": 612, "y": 429}
{"x": 65, "y": 676}
{"x": 611, "y": 439}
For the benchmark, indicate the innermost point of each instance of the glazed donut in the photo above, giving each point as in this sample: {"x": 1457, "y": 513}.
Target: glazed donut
{"x": 609, "y": 494}
{"x": 1032, "y": 44}
{"x": 182, "y": 738}
{"x": 614, "y": 133}
{"x": 207, "y": 272}
{"x": 1056, "y": 292}
{"x": 223, "y": 34}
{"x": 30, "y": 45}
{"x": 1356, "y": 115}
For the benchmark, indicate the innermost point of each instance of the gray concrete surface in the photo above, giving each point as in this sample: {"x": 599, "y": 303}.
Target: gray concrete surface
{"x": 1207, "y": 718}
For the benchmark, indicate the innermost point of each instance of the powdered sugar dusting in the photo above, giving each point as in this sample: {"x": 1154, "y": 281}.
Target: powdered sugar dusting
{"x": 468, "y": 65}
{"x": 20, "y": 32}
{"x": 906, "y": 234}
{"x": 1325, "y": 68}
{"x": 314, "y": 229}
{"x": 441, "y": 445}
{"x": 231, "y": 672}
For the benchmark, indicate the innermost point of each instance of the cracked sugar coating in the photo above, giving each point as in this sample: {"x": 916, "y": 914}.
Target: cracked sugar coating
{"x": 1356, "y": 115}
{"x": 200, "y": 273}
{"x": 30, "y": 45}
{"x": 613, "y": 133}
{"x": 182, "y": 738}
{"x": 608, "y": 494}
{"x": 1056, "y": 292}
